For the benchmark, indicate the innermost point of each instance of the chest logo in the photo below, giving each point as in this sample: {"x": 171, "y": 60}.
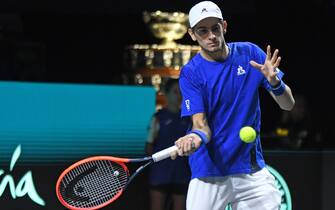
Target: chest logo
{"x": 240, "y": 71}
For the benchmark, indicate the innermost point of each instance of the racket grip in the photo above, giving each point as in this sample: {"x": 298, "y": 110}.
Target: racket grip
{"x": 163, "y": 154}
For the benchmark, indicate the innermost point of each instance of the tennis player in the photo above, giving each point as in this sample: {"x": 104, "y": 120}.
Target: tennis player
{"x": 220, "y": 88}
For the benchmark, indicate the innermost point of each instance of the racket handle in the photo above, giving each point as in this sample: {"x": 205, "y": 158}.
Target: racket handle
{"x": 163, "y": 154}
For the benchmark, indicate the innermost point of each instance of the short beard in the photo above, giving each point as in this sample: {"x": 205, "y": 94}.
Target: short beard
{"x": 216, "y": 53}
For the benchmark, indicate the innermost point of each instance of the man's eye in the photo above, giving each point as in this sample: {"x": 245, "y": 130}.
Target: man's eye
{"x": 202, "y": 31}
{"x": 216, "y": 29}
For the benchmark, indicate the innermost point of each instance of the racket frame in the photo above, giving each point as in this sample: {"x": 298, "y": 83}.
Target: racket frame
{"x": 120, "y": 161}
{"x": 161, "y": 155}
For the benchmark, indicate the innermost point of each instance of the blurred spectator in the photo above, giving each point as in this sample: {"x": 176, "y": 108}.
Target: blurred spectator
{"x": 168, "y": 179}
{"x": 297, "y": 129}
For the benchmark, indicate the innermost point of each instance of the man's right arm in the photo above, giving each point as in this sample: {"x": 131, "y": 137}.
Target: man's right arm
{"x": 200, "y": 134}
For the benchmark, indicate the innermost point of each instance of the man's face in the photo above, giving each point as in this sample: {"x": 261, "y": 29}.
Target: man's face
{"x": 209, "y": 34}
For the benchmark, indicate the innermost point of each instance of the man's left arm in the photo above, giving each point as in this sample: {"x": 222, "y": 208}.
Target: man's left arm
{"x": 284, "y": 100}
{"x": 281, "y": 92}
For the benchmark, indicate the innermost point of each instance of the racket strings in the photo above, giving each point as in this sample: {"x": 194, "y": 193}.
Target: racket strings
{"x": 93, "y": 183}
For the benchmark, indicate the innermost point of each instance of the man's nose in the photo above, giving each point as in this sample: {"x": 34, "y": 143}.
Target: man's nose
{"x": 211, "y": 35}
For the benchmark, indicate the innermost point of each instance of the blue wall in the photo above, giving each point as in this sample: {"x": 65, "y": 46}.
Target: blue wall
{"x": 60, "y": 122}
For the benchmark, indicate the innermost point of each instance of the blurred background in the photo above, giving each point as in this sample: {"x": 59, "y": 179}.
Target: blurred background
{"x": 110, "y": 45}
{"x": 84, "y": 42}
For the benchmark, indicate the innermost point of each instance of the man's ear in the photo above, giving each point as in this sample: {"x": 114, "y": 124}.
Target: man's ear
{"x": 191, "y": 33}
{"x": 224, "y": 26}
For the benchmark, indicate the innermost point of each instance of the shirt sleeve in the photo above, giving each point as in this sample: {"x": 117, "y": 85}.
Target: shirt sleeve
{"x": 191, "y": 90}
{"x": 260, "y": 57}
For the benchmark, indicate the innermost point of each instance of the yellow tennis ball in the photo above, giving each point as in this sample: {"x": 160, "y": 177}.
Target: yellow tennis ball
{"x": 247, "y": 134}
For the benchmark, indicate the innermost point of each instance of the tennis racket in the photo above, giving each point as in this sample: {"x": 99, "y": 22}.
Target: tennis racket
{"x": 95, "y": 182}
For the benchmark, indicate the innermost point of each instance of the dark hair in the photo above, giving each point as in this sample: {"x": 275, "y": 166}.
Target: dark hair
{"x": 169, "y": 83}
{"x": 220, "y": 20}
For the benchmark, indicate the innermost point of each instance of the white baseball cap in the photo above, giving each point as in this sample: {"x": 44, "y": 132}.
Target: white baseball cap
{"x": 203, "y": 10}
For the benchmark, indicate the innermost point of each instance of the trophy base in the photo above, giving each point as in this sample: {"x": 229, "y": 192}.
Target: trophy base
{"x": 152, "y": 65}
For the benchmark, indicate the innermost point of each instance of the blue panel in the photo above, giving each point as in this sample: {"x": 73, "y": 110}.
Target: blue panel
{"x": 60, "y": 122}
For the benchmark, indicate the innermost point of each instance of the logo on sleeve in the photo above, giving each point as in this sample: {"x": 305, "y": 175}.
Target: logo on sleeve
{"x": 187, "y": 104}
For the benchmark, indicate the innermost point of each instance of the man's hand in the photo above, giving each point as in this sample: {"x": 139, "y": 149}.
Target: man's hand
{"x": 268, "y": 69}
{"x": 186, "y": 145}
